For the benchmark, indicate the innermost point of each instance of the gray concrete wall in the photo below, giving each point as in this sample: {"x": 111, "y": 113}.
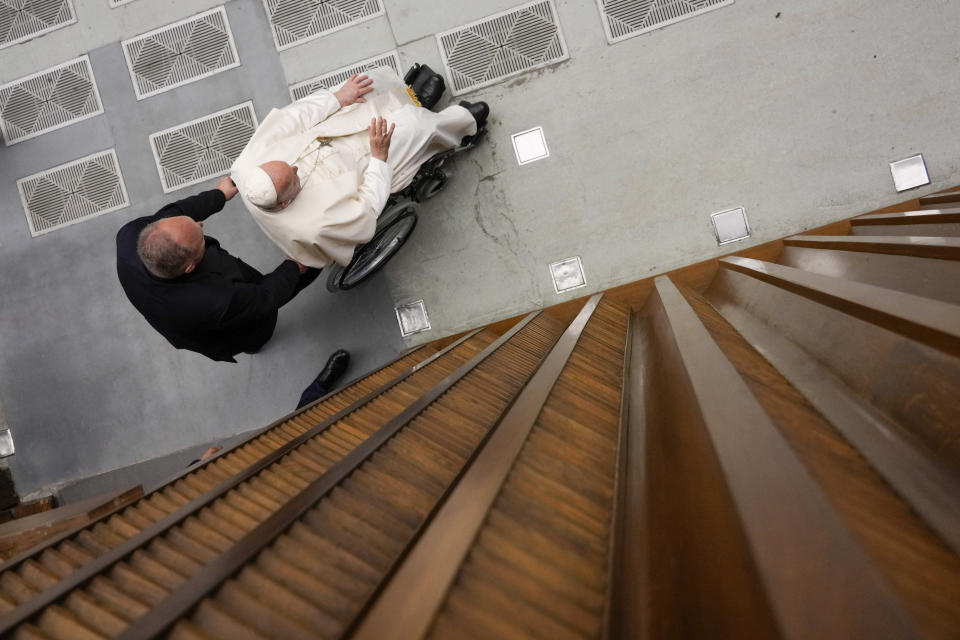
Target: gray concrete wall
{"x": 795, "y": 118}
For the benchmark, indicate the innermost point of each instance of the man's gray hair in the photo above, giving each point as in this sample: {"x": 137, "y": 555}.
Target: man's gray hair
{"x": 161, "y": 255}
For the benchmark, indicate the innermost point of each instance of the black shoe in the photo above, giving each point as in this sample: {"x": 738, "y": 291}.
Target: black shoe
{"x": 431, "y": 91}
{"x": 335, "y": 367}
{"x": 479, "y": 111}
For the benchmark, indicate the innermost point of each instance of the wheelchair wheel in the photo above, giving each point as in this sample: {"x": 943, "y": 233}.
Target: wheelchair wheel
{"x": 397, "y": 206}
{"x": 371, "y": 257}
{"x": 430, "y": 186}
{"x": 334, "y": 275}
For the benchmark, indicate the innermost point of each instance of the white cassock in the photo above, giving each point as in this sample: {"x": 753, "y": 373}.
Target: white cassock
{"x": 343, "y": 189}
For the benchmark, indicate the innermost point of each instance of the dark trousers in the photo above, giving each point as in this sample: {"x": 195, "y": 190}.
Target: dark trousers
{"x": 315, "y": 391}
{"x": 306, "y": 278}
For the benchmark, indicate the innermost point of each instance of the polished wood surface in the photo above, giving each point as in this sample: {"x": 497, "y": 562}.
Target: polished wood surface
{"x": 920, "y": 247}
{"x": 786, "y": 520}
{"x": 933, "y": 278}
{"x": 412, "y": 489}
{"x": 760, "y": 446}
{"x": 25, "y": 533}
{"x": 914, "y": 385}
{"x": 626, "y": 519}
{"x": 540, "y": 558}
{"x": 929, "y": 216}
{"x": 931, "y": 322}
{"x": 198, "y": 512}
{"x": 940, "y": 199}
{"x": 408, "y": 606}
{"x": 885, "y": 491}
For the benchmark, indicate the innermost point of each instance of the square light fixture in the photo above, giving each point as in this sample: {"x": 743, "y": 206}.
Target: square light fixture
{"x": 568, "y": 274}
{"x": 730, "y": 225}
{"x": 530, "y": 145}
{"x": 6, "y": 443}
{"x": 412, "y": 318}
{"x": 909, "y": 173}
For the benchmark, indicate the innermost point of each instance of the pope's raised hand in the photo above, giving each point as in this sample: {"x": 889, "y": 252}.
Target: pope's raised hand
{"x": 353, "y": 89}
{"x": 380, "y": 138}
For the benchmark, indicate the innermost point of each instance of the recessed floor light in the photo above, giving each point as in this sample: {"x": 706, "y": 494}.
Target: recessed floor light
{"x": 412, "y": 318}
{"x": 909, "y": 173}
{"x": 568, "y": 274}
{"x": 730, "y": 225}
{"x": 6, "y": 443}
{"x": 530, "y": 145}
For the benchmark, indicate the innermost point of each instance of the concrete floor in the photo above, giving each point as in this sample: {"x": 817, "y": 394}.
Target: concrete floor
{"x": 791, "y": 110}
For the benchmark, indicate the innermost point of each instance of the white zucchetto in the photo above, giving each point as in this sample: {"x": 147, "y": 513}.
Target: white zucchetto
{"x": 257, "y": 187}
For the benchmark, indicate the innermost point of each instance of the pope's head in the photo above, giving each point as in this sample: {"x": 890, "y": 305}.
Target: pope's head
{"x": 272, "y": 186}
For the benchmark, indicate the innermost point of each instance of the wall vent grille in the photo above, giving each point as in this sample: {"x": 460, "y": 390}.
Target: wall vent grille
{"x": 624, "y": 19}
{"x": 294, "y": 22}
{"x": 180, "y": 53}
{"x": 487, "y": 51}
{"x": 200, "y": 149}
{"x": 48, "y": 100}
{"x": 73, "y": 192}
{"x": 22, "y": 20}
{"x": 333, "y": 78}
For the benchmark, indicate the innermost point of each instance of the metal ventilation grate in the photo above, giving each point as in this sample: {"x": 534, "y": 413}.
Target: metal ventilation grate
{"x": 25, "y": 19}
{"x": 72, "y": 192}
{"x": 487, "y": 51}
{"x": 194, "y": 151}
{"x": 48, "y": 100}
{"x": 624, "y": 19}
{"x": 180, "y": 53}
{"x": 333, "y": 78}
{"x": 297, "y": 21}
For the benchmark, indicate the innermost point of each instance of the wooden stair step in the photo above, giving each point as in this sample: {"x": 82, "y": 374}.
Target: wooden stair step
{"x": 923, "y": 266}
{"x": 861, "y": 468}
{"x": 732, "y": 518}
{"x": 346, "y": 531}
{"x": 225, "y": 505}
{"x": 940, "y": 199}
{"x": 942, "y": 222}
{"x": 517, "y": 583}
{"x": 895, "y": 350}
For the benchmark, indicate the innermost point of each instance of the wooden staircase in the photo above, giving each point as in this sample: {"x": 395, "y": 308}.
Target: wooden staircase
{"x": 761, "y": 446}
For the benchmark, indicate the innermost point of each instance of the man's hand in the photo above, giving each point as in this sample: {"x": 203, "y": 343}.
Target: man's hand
{"x": 380, "y": 138}
{"x": 352, "y": 89}
{"x": 300, "y": 267}
{"x": 227, "y": 186}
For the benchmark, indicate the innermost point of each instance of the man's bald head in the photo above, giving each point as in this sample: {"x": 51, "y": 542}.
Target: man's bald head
{"x": 285, "y": 181}
{"x": 171, "y": 247}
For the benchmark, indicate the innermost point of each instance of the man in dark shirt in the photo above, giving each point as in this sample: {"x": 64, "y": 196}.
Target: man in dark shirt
{"x": 198, "y": 296}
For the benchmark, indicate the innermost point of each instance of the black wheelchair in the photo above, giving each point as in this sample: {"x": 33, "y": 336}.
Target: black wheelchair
{"x": 397, "y": 221}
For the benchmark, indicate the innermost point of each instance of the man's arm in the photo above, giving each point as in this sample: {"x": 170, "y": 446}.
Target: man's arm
{"x": 251, "y": 303}
{"x": 203, "y": 205}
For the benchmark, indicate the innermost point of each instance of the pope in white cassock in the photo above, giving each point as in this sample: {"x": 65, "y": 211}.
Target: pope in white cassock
{"x": 317, "y": 173}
